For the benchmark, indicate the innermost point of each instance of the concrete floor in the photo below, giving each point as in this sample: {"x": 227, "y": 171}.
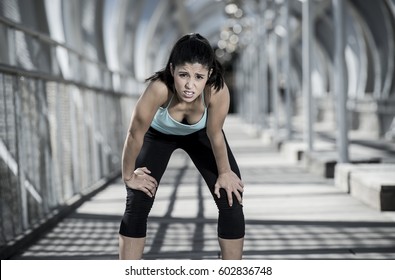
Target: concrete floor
{"x": 290, "y": 214}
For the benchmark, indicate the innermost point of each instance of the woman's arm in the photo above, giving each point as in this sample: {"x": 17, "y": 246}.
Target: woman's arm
{"x": 147, "y": 105}
{"x": 217, "y": 112}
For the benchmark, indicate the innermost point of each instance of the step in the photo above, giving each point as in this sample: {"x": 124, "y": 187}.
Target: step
{"x": 344, "y": 170}
{"x": 376, "y": 188}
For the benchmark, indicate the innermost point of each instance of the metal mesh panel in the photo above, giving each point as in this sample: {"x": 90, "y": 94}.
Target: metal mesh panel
{"x": 64, "y": 129}
{"x": 51, "y": 90}
{"x": 57, "y": 140}
{"x": 29, "y": 150}
{"x": 8, "y": 161}
{"x": 82, "y": 143}
{"x": 77, "y": 152}
{"x": 11, "y": 189}
{"x": 62, "y": 126}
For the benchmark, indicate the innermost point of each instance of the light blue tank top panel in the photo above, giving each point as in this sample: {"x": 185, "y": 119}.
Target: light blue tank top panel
{"x": 164, "y": 123}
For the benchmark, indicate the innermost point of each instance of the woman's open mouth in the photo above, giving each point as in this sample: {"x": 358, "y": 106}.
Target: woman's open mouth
{"x": 188, "y": 94}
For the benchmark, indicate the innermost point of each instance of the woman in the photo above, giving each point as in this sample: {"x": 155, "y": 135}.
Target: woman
{"x": 184, "y": 106}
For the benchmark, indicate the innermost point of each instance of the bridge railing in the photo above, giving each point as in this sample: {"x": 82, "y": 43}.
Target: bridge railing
{"x": 61, "y": 136}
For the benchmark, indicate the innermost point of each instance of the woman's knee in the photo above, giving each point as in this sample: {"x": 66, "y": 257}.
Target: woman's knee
{"x": 231, "y": 223}
{"x": 134, "y": 221}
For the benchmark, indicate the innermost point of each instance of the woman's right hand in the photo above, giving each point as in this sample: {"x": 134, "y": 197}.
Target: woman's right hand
{"x": 142, "y": 181}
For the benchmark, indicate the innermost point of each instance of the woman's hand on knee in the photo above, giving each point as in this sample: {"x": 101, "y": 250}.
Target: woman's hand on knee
{"x": 232, "y": 184}
{"x": 142, "y": 181}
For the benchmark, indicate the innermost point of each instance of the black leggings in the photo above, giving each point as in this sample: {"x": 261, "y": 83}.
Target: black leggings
{"x": 155, "y": 155}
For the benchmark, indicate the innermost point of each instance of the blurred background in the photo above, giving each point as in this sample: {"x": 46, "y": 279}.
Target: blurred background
{"x": 71, "y": 72}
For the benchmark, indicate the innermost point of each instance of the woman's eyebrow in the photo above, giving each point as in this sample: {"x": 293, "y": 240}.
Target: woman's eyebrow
{"x": 186, "y": 71}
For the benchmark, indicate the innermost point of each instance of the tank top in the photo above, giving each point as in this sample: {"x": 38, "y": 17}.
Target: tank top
{"x": 164, "y": 123}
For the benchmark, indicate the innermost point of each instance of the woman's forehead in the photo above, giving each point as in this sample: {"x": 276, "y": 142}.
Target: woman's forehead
{"x": 195, "y": 67}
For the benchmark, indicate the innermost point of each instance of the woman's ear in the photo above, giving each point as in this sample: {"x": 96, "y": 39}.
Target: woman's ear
{"x": 210, "y": 72}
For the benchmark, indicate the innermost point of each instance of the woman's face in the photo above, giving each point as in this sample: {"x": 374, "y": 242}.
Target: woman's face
{"x": 190, "y": 80}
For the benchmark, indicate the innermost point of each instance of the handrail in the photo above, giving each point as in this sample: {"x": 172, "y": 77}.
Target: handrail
{"x": 42, "y": 75}
{"x": 47, "y": 39}
{"x": 4, "y": 68}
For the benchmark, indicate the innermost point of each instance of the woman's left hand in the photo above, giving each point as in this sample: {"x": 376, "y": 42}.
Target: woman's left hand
{"x": 232, "y": 184}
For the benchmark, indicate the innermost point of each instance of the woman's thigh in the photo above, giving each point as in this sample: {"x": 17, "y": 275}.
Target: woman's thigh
{"x": 155, "y": 153}
{"x": 200, "y": 150}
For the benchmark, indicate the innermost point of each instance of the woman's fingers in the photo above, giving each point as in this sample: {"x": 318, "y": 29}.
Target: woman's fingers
{"x": 229, "y": 192}
{"x": 146, "y": 170}
{"x": 151, "y": 188}
{"x": 143, "y": 181}
{"x": 236, "y": 192}
{"x": 149, "y": 183}
{"x": 216, "y": 190}
{"x": 152, "y": 180}
{"x": 238, "y": 196}
{"x": 141, "y": 171}
{"x": 145, "y": 186}
{"x": 230, "y": 197}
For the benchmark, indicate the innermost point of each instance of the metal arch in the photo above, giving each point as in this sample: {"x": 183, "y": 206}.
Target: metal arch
{"x": 207, "y": 18}
{"x": 56, "y": 31}
{"x": 210, "y": 27}
{"x": 354, "y": 84}
{"x": 296, "y": 12}
{"x": 388, "y": 80}
{"x": 183, "y": 19}
{"x": 363, "y": 52}
{"x": 322, "y": 64}
{"x": 151, "y": 13}
{"x": 391, "y": 5}
{"x": 155, "y": 33}
{"x": 153, "y": 50}
{"x": 165, "y": 41}
{"x": 166, "y": 34}
{"x": 375, "y": 67}
{"x": 375, "y": 22}
{"x": 119, "y": 22}
{"x": 295, "y": 81}
{"x": 324, "y": 43}
{"x": 72, "y": 36}
{"x": 132, "y": 21}
{"x": 297, "y": 67}
{"x": 352, "y": 53}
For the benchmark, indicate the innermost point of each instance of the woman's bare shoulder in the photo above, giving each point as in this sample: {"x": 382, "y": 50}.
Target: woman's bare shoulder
{"x": 158, "y": 91}
{"x": 217, "y": 95}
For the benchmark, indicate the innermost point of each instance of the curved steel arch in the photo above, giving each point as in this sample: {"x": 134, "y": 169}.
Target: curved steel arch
{"x": 376, "y": 18}
{"x": 162, "y": 22}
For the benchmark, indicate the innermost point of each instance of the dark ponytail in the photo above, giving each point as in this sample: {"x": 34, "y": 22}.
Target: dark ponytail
{"x": 216, "y": 79}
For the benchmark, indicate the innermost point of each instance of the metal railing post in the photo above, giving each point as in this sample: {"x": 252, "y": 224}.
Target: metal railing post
{"x": 339, "y": 84}
{"x": 307, "y": 94}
